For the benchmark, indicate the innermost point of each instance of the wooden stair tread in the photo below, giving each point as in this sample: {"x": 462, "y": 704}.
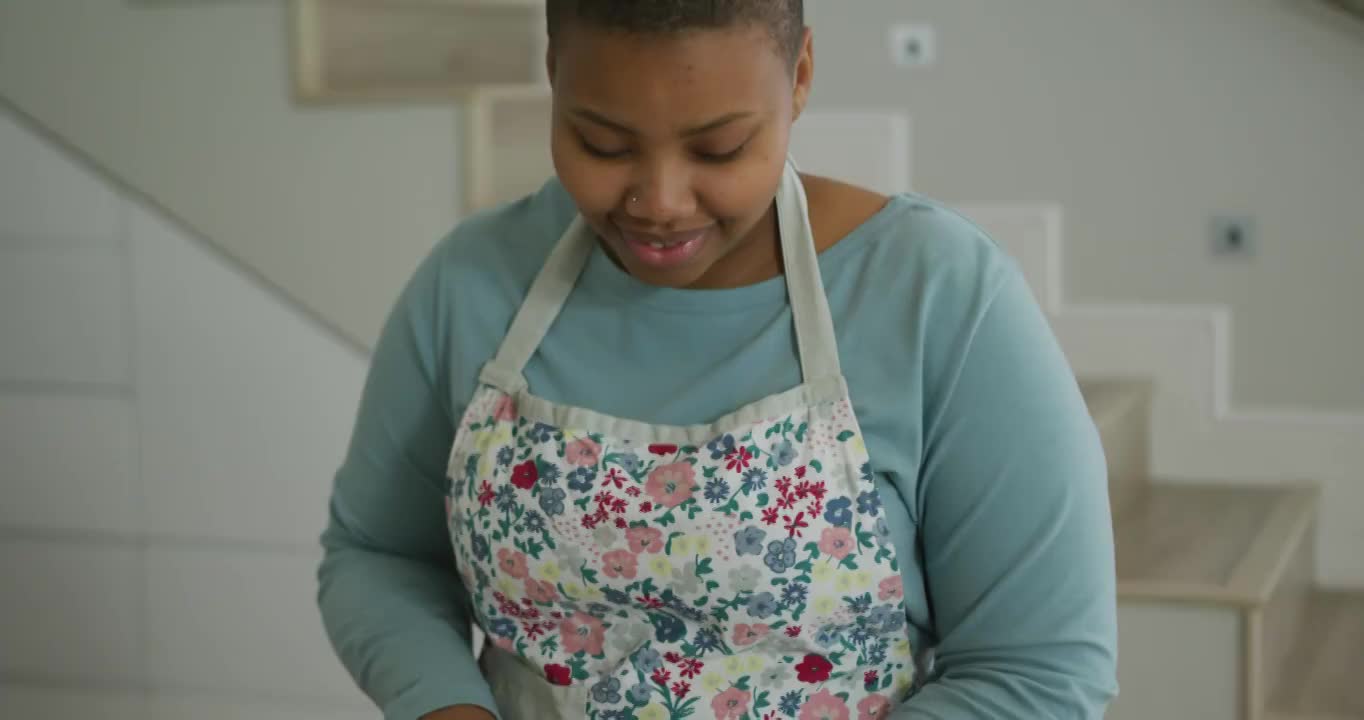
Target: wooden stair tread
{"x": 1110, "y": 399}
{"x": 1212, "y": 543}
{"x": 1324, "y": 672}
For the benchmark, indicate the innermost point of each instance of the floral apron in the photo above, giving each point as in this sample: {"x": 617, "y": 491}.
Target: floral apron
{"x": 740, "y": 569}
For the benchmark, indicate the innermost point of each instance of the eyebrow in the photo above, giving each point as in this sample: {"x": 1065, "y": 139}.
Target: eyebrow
{"x": 721, "y": 121}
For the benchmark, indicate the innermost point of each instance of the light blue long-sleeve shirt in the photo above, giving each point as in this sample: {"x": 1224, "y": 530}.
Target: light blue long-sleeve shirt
{"x": 990, "y": 468}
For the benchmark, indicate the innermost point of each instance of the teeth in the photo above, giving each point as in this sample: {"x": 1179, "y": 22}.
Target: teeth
{"x": 656, "y": 245}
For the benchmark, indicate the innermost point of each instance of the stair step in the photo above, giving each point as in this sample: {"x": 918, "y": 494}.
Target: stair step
{"x": 1223, "y": 544}
{"x": 1121, "y": 410}
{"x": 1324, "y": 670}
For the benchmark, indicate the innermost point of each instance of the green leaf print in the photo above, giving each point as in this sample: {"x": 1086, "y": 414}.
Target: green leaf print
{"x": 729, "y": 507}
{"x": 800, "y": 432}
{"x": 533, "y": 549}
{"x": 549, "y": 645}
{"x": 582, "y": 502}
{"x": 745, "y": 516}
{"x": 760, "y": 702}
{"x": 849, "y": 562}
{"x": 589, "y": 575}
{"x": 666, "y": 519}
{"x": 692, "y": 511}
{"x": 648, "y": 587}
{"x": 817, "y": 466}
{"x": 703, "y": 568}
{"x": 579, "y": 665}
{"x": 772, "y": 431}
{"x": 845, "y": 436}
{"x": 709, "y": 472}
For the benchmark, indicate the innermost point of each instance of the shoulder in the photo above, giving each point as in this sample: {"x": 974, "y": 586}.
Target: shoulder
{"x": 509, "y": 241}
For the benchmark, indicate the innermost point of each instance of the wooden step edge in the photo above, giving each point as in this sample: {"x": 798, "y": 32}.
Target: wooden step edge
{"x": 1263, "y": 565}
{"x": 1110, "y": 399}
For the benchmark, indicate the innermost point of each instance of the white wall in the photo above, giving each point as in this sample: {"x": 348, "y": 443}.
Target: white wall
{"x": 168, "y": 433}
{"x": 1141, "y": 119}
{"x": 190, "y": 103}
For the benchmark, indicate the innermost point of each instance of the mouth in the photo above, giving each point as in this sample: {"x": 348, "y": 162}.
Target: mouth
{"x": 664, "y": 250}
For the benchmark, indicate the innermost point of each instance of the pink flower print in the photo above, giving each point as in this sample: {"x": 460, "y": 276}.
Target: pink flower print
{"x": 582, "y": 452}
{"x": 540, "y": 591}
{"x": 824, "y": 705}
{"x": 644, "y": 539}
{"x": 512, "y": 563}
{"x": 582, "y": 633}
{"x": 730, "y": 704}
{"x": 504, "y": 642}
{"x": 505, "y": 410}
{"x": 891, "y": 587}
{"x": 836, "y": 542}
{"x": 873, "y": 707}
{"x": 620, "y": 563}
{"x": 749, "y": 634}
{"x": 671, "y": 485}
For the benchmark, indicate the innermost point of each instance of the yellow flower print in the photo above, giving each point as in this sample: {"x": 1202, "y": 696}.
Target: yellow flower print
{"x": 859, "y": 445}
{"x": 591, "y": 592}
{"x": 843, "y": 582}
{"x": 573, "y": 590}
{"x": 901, "y": 647}
{"x": 699, "y": 545}
{"x": 734, "y": 665}
{"x": 509, "y": 588}
{"x": 712, "y": 682}
{"x": 659, "y": 565}
{"x": 825, "y": 604}
{"x": 652, "y": 711}
{"x": 822, "y": 571}
{"x": 549, "y": 572}
{"x": 753, "y": 663}
{"x": 862, "y": 579}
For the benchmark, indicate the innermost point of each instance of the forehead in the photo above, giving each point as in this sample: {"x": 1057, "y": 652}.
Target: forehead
{"x": 642, "y": 78}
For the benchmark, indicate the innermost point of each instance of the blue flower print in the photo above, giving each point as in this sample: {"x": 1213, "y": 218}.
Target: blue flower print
{"x": 581, "y": 479}
{"x": 607, "y": 691}
{"x": 882, "y": 531}
{"x": 790, "y": 703}
{"x": 504, "y": 456}
{"x": 866, "y": 472}
{"x": 717, "y": 491}
{"x": 755, "y": 479}
{"x": 598, "y": 610}
{"x": 629, "y": 462}
{"x": 647, "y": 660}
{"x": 869, "y": 503}
{"x": 639, "y": 694}
{"x": 838, "y": 512}
{"x": 876, "y": 652}
{"x": 506, "y": 498}
{"x": 540, "y": 433}
{"x": 552, "y": 501}
{"x": 859, "y": 605}
{"x": 667, "y": 628}
{"x": 827, "y": 636}
{"x": 749, "y": 541}
{"x": 616, "y": 715}
{"x": 478, "y": 545}
{"x": 793, "y": 594}
{"x": 784, "y": 453}
{"x": 502, "y": 627}
{"x": 762, "y": 605}
{"x": 549, "y": 474}
{"x": 616, "y": 596}
{"x": 471, "y": 467}
{"x": 889, "y": 617}
{"x": 533, "y": 521}
{"x": 781, "y": 554}
{"x": 721, "y": 446}
{"x": 706, "y": 640}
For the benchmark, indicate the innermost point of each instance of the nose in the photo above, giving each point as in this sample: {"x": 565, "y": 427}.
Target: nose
{"x": 660, "y": 196}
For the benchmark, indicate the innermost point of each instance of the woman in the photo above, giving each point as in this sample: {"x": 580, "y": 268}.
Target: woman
{"x": 690, "y": 434}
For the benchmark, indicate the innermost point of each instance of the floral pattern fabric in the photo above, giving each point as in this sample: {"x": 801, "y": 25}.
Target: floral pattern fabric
{"x": 749, "y": 576}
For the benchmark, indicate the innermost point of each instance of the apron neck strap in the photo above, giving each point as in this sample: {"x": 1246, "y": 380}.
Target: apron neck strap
{"x": 814, "y": 326}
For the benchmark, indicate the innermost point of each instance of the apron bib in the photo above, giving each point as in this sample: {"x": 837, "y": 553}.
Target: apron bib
{"x": 623, "y": 570}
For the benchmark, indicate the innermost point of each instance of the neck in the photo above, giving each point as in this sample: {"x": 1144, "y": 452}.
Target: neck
{"x": 755, "y": 258}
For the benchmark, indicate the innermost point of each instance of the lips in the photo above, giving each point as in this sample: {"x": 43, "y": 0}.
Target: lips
{"x": 665, "y": 250}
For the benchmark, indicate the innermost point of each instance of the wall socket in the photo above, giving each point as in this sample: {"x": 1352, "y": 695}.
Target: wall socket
{"x": 913, "y": 45}
{"x": 1232, "y": 236}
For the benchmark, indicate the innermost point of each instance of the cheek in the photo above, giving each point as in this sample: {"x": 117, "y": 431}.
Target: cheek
{"x": 596, "y": 187}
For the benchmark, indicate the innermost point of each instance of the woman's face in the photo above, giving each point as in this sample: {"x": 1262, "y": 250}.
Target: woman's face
{"x": 673, "y": 145}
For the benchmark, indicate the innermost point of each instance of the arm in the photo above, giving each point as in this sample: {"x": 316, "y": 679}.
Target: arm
{"x": 1016, "y": 530}
{"x": 391, "y": 601}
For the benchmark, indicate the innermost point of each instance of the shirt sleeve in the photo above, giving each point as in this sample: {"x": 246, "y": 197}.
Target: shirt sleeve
{"x": 1016, "y": 529}
{"x": 393, "y": 605}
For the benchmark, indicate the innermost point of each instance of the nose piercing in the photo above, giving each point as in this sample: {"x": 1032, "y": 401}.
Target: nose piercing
{"x": 634, "y": 199}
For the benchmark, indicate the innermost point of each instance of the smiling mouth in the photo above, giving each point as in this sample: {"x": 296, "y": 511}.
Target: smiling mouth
{"x": 665, "y": 251}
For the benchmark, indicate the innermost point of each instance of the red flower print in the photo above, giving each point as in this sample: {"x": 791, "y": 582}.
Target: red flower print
{"x": 869, "y": 678}
{"x": 681, "y": 688}
{"x": 672, "y": 656}
{"x": 661, "y": 675}
{"x": 613, "y": 477}
{"x": 814, "y": 668}
{"x": 512, "y": 562}
{"x": 589, "y": 522}
{"x": 800, "y": 472}
{"x": 671, "y": 485}
{"x": 620, "y": 523}
{"x": 783, "y": 485}
{"x": 558, "y": 674}
{"x": 793, "y": 631}
{"x": 485, "y": 494}
{"x": 646, "y": 506}
{"x": 583, "y": 453}
{"x": 525, "y": 475}
{"x": 662, "y": 449}
{"x": 691, "y": 667}
{"x": 620, "y": 563}
{"x": 836, "y": 542}
{"x": 770, "y": 516}
{"x": 618, "y": 506}
{"x": 738, "y": 459}
{"x": 731, "y": 704}
{"x": 795, "y": 526}
{"x": 633, "y": 491}
{"x": 873, "y": 707}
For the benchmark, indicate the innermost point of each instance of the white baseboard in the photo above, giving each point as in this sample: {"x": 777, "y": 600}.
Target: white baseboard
{"x": 1199, "y": 433}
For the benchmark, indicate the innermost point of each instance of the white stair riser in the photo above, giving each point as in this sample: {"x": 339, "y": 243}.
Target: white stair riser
{"x": 1178, "y": 661}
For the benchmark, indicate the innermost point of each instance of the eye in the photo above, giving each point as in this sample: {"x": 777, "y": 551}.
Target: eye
{"x": 597, "y": 152}
{"x": 719, "y": 158}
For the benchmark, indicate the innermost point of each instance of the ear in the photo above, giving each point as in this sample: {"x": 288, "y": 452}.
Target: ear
{"x": 804, "y": 74}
